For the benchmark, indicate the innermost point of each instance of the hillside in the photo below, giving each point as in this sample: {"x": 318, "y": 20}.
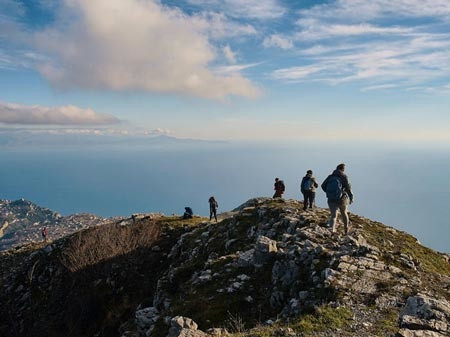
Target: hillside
{"x": 266, "y": 269}
{"x": 21, "y": 222}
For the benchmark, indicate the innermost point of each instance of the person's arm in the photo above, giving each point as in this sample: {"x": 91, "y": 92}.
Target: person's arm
{"x": 348, "y": 189}
{"x": 315, "y": 183}
{"x": 325, "y": 184}
{"x": 301, "y": 186}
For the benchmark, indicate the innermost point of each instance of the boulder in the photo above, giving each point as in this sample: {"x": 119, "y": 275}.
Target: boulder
{"x": 422, "y": 312}
{"x": 145, "y": 320}
{"x": 184, "y": 327}
{"x": 264, "y": 249}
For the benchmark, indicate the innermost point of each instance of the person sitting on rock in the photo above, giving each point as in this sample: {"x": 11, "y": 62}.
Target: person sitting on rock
{"x": 279, "y": 188}
{"x": 339, "y": 195}
{"x": 213, "y": 205}
{"x": 308, "y": 188}
{"x": 188, "y": 213}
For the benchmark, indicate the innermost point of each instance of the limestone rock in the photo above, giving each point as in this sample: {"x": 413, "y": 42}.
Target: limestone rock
{"x": 422, "y": 312}
{"x": 184, "y": 327}
{"x": 264, "y": 249}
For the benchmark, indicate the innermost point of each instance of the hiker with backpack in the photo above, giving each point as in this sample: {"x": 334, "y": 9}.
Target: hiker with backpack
{"x": 279, "y": 188}
{"x": 308, "y": 188}
{"x": 339, "y": 195}
{"x": 213, "y": 205}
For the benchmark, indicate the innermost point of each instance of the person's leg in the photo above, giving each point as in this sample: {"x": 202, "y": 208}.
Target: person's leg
{"x": 312, "y": 198}
{"x": 215, "y": 214}
{"x": 305, "y": 201}
{"x": 210, "y": 214}
{"x": 333, "y": 215}
{"x": 344, "y": 215}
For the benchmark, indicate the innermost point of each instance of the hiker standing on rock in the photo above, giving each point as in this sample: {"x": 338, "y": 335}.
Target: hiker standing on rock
{"x": 279, "y": 188}
{"x": 339, "y": 195}
{"x": 308, "y": 188}
{"x": 44, "y": 233}
{"x": 213, "y": 205}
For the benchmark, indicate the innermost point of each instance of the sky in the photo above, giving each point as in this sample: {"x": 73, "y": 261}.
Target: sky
{"x": 330, "y": 70}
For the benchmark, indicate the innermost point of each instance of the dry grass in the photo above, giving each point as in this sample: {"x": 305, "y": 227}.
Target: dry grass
{"x": 93, "y": 245}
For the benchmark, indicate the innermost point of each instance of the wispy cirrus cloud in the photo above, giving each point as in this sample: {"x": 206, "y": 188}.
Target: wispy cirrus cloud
{"x": 278, "y": 41}
{"x": 19, "y": 114}
{"x": 235, "y": 68}
{"x": 379, "y": 87}
{"x": 254, "y": 9}
{"x": 358, "y": 40}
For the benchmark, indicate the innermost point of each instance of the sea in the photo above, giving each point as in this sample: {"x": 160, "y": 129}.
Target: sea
{"x": 403, "y": 186}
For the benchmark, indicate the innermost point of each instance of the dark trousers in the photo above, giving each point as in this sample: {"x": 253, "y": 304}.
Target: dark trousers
{"x": 308, "y": 199}
{"x": 212, "y": 211}
{"x": 278, "y": 194}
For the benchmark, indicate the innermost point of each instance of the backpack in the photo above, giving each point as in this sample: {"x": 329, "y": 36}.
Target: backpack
{"x": 335, "y": 190}
{"x": 280, "y": 186}
{"x": 307, "y": 184}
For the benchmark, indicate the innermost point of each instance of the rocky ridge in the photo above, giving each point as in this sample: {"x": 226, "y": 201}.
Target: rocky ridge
{"x": 21, "y": 222}
{"x": 266, "y": 269}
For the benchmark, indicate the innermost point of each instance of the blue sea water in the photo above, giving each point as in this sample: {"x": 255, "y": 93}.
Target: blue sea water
{"x": 407, "y": 188}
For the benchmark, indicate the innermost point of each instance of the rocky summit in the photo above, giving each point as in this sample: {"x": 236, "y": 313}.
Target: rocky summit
{"x": 268, "y": 268}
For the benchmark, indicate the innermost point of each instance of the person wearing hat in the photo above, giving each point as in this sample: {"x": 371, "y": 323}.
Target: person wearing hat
{"x": 339, "y": 195}
{"x": 308, "y": 188}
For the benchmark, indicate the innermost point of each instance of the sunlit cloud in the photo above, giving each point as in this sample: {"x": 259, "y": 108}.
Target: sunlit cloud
{"x": 161, "y": 50}
{"x": 18, "y": 114}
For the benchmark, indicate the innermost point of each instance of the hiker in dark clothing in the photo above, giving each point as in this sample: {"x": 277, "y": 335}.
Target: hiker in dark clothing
{"x": 188, "y": 213}
{"x": 213, "y": 205}
{"x": 308, "y": 188}
{"x": 339, "y": 195}
{"x": 279, "y": 188}
{"x": 44, "y": 233}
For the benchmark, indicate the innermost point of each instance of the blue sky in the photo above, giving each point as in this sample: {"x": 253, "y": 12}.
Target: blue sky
{"x": 229, "y": 69}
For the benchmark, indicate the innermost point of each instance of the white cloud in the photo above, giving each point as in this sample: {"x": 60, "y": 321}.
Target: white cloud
{"x": 296, "y": 73}
{"x": 278, "y": 41}
{"x": 229, "y": 54}
{"x": 313, "y": 29}
{"x": 134, "y": 45}
{"x": 219, "y": 26}
{"x": 235, "y": 68}
{"x": 360, "y": 10}
{"x": 159, "y": 132}
{"x": 255, "y": 9}
{"x": 359, "y": 40}
{"x": 379, "y": 87}
{"x": 62, "y": 115}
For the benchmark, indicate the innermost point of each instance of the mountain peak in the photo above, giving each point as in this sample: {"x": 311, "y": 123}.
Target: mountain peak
{"x": 266, "y": 268}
